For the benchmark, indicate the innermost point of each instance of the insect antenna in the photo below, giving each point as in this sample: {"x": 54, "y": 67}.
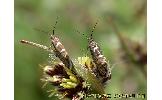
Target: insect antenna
{"x": 92, "y": 32}
{"x": 86, "y": 38}
{"x": 48, "y": 32}
{"x": 54, "y": 27}
{"x": 41, "y": 30}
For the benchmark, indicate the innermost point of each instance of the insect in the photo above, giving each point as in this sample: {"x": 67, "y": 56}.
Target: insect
{"x": 102, "y": 69}
{"x": 73, "y": 82}
{"x": 58, "y": 48}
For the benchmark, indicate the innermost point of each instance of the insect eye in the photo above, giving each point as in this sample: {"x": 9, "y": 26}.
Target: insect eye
{"x": 109, "y": 76}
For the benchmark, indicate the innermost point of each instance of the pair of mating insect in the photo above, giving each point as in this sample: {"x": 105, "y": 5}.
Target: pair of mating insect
{"x": 102, "y": 68}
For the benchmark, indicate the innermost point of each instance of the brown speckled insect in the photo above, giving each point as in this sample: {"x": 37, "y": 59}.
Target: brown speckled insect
{"x": 102, "y": 67}
{"x": 58, "y": 49}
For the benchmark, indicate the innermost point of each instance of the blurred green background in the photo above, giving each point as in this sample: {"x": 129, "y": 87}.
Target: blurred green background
{"x": 130, "y": 17}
